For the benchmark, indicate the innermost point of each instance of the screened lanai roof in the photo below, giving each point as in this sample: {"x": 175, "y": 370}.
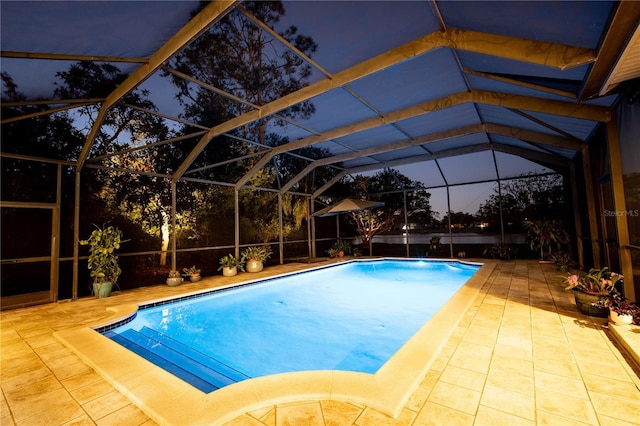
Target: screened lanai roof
{"x": 467, "y": 91}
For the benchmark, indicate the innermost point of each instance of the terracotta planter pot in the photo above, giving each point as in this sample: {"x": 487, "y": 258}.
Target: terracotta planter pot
{"x": 591, "y": 304}
{"x": 195, "y": 278}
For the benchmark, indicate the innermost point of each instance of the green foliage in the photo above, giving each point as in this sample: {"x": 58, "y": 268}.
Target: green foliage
{"x": 528, "y": 196}
{"x": 48, "y": 136}
{"x": 387, "y": 186}
{"x": 499, "y": 250}
{"x": 174, "y": 274}
{"x": 191, "y": 271}
{"x": 229, "y": 261}
{"x": 562, "y": 260}
{"x": 103, "y": 262}
{"x": 370, "y": 223}
{"x": 622, "y": 306}
{"x": 339, "y": 246}
{"x": 237, "y": 57}
{"x": 332, "y": 252}
{"x": 256, "y": 253}
{"x": 596, "y": 281}
{"x": 543, "y": 234}
{"x": 342, "y": 246}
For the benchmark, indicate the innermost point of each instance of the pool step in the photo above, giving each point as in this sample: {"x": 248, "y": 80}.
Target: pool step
{"x": 195, "y": 355}
{"x": 196, "y": 368}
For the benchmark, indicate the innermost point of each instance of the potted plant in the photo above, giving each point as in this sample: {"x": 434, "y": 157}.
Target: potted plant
{"x": 192, "y": 273}
{"x": 339, "y": 249}
{"x": 255, "y": 258}
{"x": 621, "y": 311}
{"x": 562, "y": 260}
{"x": 343, "y": 248}
{"x": 542, "y": 234}
{"x": 103, "y": 262}
{"x": 592, "y": 290}
{"x": 174, "y": 278}
{"x": 498, "y": 250}
{"x": 332, "y": 252}
{"x": 230, "y": 265}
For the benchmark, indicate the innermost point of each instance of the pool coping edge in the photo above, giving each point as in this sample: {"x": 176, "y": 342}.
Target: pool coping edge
{"x": 170, "y": 401}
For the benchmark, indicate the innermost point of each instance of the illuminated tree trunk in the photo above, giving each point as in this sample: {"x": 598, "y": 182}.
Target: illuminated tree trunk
{"x": 164, "y": 234}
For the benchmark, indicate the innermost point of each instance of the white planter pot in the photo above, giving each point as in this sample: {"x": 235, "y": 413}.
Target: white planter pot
{"x": 229, "y": 271}
{"x": 254, "y": 266}
{"x": 172, "y": 282}
{"x": 624, "y": 319}
{"x": 195, "y": 278}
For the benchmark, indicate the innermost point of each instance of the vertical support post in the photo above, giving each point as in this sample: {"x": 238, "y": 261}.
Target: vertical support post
{"x": 313, "y": 226}
{"x": 174, "y": 231}
{"x": 449, "y": 220}
{"x": 622, "y": 225}
{"x": 308, "y": 227}
{"x": 591, "y": 206}
{"x": 55, "y": 240}
{"x": 406, "y": 221}
{"x": 76, "y": 237}
{"x": 576, "y": 213}
{"x": 280, "y": 233}
{"x": 500, "y": 212}
{"x": 236, "y": 209}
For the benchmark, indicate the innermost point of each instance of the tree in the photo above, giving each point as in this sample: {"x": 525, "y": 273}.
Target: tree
{"x": 45, "y": 136}
{"x": 245, "y": 61}
{"x": 387, "y": 186}
{"x": 370, "y": 223}
{"x": 459, "y": 220}
{"x": 250, "y": 66}
{"x": 145, "y": 201}
{"x": 526, "y": 197}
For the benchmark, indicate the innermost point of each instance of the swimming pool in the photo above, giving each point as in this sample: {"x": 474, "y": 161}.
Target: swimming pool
{"x": 169, "y": 400}
{"x": 350, "y": 317}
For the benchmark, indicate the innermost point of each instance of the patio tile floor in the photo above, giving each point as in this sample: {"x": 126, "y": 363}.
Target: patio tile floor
{"x": 522, "y": 354}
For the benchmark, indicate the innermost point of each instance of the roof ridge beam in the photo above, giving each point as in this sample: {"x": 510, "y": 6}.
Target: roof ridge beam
{"x": 548, "y": 106}
{"x": 532, "y": 136}
{"x": 522, "y": 152}
{"x": 523, "y": 134}
{"x": 538, "y": 52}
{"x": 393, "y": 146}
{"x": 516, "y": 82}
{"x": 549, "y": 54}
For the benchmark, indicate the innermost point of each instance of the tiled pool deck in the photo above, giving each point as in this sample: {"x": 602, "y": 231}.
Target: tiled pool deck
{"x": 522, "y": 354}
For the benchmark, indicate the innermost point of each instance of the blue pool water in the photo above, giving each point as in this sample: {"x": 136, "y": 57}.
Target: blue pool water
{"x": 353, "y": 316}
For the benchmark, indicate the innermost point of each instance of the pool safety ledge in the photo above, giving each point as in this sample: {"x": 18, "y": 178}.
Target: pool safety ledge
{"x": 170, "y": 401}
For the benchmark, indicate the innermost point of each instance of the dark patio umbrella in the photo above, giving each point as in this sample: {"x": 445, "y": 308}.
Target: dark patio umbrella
{"x": 347, "y": 205}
